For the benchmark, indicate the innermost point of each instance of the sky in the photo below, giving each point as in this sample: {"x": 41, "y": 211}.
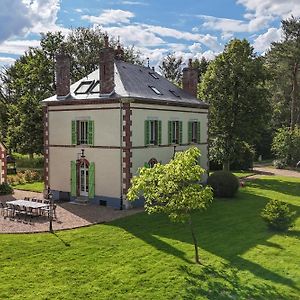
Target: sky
{"x": 188, "y": 28}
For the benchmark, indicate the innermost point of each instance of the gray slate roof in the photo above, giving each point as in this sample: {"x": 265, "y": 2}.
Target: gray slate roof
{"x": 133, "y": 81}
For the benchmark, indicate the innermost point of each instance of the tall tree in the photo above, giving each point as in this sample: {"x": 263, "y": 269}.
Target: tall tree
{"x": 32, "y": 79}
{"x": 234, "y": 87}
{"x": 171, "y": 68}
{"x": 201, "y": 65}
{"x": 174, "y": 189}
{"x": 32, "y": 82}
{"x": 283, "y": 60}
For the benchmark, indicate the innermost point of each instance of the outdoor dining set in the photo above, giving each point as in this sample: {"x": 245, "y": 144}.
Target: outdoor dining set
{"x": 27, "y": 208}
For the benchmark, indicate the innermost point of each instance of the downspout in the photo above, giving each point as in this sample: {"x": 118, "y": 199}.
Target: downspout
{"x": 121, "y": 155}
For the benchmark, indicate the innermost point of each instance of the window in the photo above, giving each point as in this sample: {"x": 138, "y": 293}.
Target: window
{"x": 152, "y": 132}
{"x": 95, "y": 88}
{"x": 83, "y": 87}
{"x": 154, "y": 75}
{"x": 194, "y": 132}
{"x": 174, "y": 93}
{"x": 175, "y": 132}
{"x": 155, "y": 90}
{"x": 82, "y": 132}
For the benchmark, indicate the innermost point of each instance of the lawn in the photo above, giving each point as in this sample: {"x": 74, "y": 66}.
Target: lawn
{"x": 146, "y": 257}
{"x": 37, "y": 186}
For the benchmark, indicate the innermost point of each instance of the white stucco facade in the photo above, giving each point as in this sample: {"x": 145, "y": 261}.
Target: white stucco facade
{"x": 108, "y": 152}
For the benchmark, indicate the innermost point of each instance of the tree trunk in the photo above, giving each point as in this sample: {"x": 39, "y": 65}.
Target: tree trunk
{"x": 294, "y": 95}
{"x": 31, "y": 156}
{"x": 226, "y": 165}
{"x": 197, "y": 259}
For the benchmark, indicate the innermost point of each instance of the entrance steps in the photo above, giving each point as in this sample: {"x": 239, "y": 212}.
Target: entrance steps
{"x": 81, "y": 200}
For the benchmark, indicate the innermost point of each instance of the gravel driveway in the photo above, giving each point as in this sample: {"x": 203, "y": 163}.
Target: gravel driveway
{"x": 279, "y": 172}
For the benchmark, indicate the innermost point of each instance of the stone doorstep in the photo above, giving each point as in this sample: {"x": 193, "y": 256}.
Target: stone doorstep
{"x": 80, "y": 201}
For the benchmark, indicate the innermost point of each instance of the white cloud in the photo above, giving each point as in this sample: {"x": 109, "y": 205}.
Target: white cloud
{"x": 278, "y": 8}
{"x": 14, "y": 19}
{"x": 228, "y": 26}
{"x": 134, "y": 34}
{"x": 17, "y": 46}
{"x": 263, "y": 41}
{"x": 18, "y": 18}
{"x": 110, "y": 16}
{"x": 195, "y": 48}
{"x": 6, "y": 60}
{"x": 133, "y": 3}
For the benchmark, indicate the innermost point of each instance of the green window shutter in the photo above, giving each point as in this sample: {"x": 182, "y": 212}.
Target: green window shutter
{"x": 190, "y": 132}
{"x": 180, "y": 132}
{"x": 73, "y": 179}
{"x": 147, "y": 132}
{"x": 159, "y": 132}
{"x": 91, "y": 132}
{"x": 170, "y": 132}
{"x": 74, "y": 133}
{"x": 198, "y": 132}
{"x": 92, "y": 180}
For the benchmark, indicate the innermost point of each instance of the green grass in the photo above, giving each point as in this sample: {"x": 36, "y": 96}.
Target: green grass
{"x": 37, "y": 186}
{"x": 147, "y": 257}
{"x": 242, "y": 173}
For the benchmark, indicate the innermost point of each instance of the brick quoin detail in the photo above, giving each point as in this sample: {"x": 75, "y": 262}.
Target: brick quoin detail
{"x": 127, "y": 154}
{"x": 46, "y": 146}
{"x": 3, "y": 175}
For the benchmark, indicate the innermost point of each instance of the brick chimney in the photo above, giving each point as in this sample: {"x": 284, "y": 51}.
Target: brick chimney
{"x": 62, "y": 74}
{"x": 106, "y": 68}
{"x": 190, "y": 79}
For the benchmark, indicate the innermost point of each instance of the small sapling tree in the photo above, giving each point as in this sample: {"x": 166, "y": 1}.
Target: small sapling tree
{"x": 174, "y": 189}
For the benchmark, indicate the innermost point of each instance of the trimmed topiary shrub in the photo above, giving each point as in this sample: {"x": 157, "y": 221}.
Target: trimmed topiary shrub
{"x": 224, "y": 183}
{"x": 5, "y": 189}
{"x": 278, "y": 216}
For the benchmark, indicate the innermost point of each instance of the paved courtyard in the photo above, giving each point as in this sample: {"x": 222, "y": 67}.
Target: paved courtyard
{"x": 68, "y": 216}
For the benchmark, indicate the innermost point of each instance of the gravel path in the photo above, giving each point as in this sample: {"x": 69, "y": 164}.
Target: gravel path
{"x": 68, "y": 216}
{"x": 273, "y": 171}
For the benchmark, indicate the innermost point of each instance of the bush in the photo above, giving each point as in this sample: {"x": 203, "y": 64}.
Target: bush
{"x": 280, "y": 163}
{"x": 224, "y": 183}
{"x": 23, "y": 161}
{"x": 286, "y": 145}
{"x": 5, "y": 189}
{"x": 26, "y": 176}
{"x": 277, "y": 215}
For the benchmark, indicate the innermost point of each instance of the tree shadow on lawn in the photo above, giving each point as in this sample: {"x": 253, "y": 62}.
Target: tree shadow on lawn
{"x": 228, "y": 229}
{"x": 225, "y": 283}
{"x": 277, "y": 185}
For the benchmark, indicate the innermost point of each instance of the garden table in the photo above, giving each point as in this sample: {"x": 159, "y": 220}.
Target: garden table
{"x": 27, "y": 203}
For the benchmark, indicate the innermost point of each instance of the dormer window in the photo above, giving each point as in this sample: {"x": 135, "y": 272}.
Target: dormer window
{"x": 96, "y": 88}
{"x": 154, "y": 75}
{"x": 155, "y": 90}
{"x": 174, "y": 93}
{"x": 83, "y": 87}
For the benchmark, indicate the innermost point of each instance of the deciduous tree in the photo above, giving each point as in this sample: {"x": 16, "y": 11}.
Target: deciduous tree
{"x": 234, "y": 87}
{"x": 174, "y": 189}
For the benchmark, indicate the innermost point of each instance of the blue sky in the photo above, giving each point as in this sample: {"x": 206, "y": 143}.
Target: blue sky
{"x": 189, "y": 28}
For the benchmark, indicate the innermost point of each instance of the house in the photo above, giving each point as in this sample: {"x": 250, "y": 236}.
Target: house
{"x": 103, "y": 128}
{"x": 3, "y": 165}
